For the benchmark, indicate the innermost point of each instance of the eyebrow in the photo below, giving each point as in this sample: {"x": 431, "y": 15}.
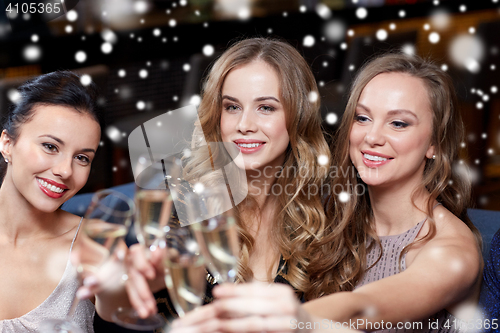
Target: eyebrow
{"x": 61, "y": 142}
{"x": 258, "y": 99}
{"x": 392, "y": 112}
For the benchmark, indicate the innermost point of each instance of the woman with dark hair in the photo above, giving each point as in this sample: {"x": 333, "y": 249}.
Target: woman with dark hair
{"x": 401, "y": 253}
{"x": 48, "y": 142}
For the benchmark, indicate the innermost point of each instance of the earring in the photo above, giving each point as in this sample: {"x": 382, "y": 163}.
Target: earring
{"x": 6, "y": 161}
{"x": 433, "y": 157}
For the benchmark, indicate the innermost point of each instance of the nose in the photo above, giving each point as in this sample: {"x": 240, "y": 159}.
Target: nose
{"x": 64, "y": 167}
{"x": 246, "y": 122}
{"x": 375, "y": 135}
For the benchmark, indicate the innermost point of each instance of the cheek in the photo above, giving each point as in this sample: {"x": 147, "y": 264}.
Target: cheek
{"x": 225, "y": 126}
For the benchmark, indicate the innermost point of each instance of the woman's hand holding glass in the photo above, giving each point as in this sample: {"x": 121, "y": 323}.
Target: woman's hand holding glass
{"x": 98, "y": 254}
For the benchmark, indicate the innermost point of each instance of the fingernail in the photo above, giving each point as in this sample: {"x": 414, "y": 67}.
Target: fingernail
{"x": 90, "y": 281}
{"x": 83, "y": 293}
{"x": 143, "y": 313}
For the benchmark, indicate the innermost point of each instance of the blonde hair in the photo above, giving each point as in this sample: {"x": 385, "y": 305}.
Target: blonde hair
{"x": 300, "y": 218}
{"x": 340, "y": 260}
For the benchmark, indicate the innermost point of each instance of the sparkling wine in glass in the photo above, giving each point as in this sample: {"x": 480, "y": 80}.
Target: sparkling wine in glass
{"x": 214, "y": 223}
{"x": 99, "y": 250}
{"x": 154, "y": 206}
{"x": 186, "y": 273}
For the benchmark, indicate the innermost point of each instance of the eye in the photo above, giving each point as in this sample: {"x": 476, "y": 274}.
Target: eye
{"x": 399, "y": 124}
{"x": 50, "y": 147}
{"x": 267, "y": 108}
{"x": 82, "y": 159}
{"x": 231, "y": 107}
{"x": 361, "y": 118}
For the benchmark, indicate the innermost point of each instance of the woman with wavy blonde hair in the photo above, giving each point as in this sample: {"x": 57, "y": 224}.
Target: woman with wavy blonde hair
{"x": 401, "y": 253}
{"x": 261, "y": 97}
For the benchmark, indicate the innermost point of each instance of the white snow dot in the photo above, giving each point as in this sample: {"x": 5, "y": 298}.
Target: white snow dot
{"x": 244, "y": 13}
{"x": 350, "y": 32}
{"x": 106, "y": 48}
{"x": 32, "y": 53}
{"x": 85, "y": 79}
{"x": 172, "y": 23}
{"x": 351, "y": 67}
{"x": 308, "y": 41}
{"x": 197, "y": 12}
{"x": 35, "y": 38}
{"x": 322, "y": 159}
{"x": 68, "y": 29}
{"x": 343, "y": 196}
{"x": 285, "y": 14}
{"x": 140, "y": 7}
{"x": 462, "y": 145}
{"x": 434, "y": 37}
{"x": 323, "y": 11}
{"x": 484, "y": 136}
{"x": 493, "y": 67}
{"x": 408, "y": 49}
{"x": 270, "y": 31}
{"x": 494, "y": 89}
{"x": 13, "y": 95}
{"x": 381, "y": 34}
{"x": 331, "y": 118}
{"x": 175, "y": 98}
{"x": 195, "y": 100}
{"x": 80, "y": 56}
{"x": 486, "y": 98}
{"x": 477, "y": 161}
{"x": 472, "y": 30}
{"x": 402, "y": 13}
{"x": 392, "y": 26}
{"x": 183, "y": 3}
{"x": 140, "y": 105}
{"x": 143, "y": 73}
{"x": 361, "y": 13}
{"x": 199, "y": 187}
{"x": 205, "y": 25}
{"x": 343, "y": 46}
{"x": 186, "y": 67}
{"x": 491, "y": 151}
{"x": 462, "y": 8}
{"x": 156, "y": 32}
{"x": 444, "y": 67}
{"x": 303, "y": 9}
{"x": 325, "y": 63}
{"x": 113, "y": 133}
{"x": 122, "y": 73}
{"x": 479, "y": 105}
{"x": 72, "y": 15}
{"x": 427, "y": 26}
{"x": 313, "y": 97}
{"x": 208, "y": 50}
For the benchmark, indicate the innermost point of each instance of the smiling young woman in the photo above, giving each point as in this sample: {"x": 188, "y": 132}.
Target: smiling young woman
{"x": 49, "y": 140}
{"x": 402, "y": 255}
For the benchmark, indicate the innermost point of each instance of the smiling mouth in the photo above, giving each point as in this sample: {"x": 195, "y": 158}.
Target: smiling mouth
{"x": 50, "y": 187}
{"x": 249, "y": 145}
{"x": 375, "y": 158}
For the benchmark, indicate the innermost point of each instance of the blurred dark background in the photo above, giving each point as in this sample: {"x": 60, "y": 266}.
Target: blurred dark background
{"x": 149, "y": 56}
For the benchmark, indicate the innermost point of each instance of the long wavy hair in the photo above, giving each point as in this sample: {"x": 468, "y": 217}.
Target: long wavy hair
{"x": 339, "y": 262}
{"x": 299, "y": 220}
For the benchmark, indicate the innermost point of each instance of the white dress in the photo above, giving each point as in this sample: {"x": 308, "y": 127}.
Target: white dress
{"x": 56, "y": 306}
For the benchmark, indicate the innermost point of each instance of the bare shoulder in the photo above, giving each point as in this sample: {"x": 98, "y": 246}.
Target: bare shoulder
{"x": 454, "y": 246}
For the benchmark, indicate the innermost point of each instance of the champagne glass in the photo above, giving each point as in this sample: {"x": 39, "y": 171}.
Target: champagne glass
{"x": 186, "y": 273}
{"x": 214, "y": 223}
{"x": 154, "y": 206}
{"x": 100, "y": 250}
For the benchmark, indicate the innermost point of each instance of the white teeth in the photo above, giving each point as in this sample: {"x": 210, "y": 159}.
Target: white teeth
{"x": 50, "y": 187}
{"x": 374, "y": 158}
{"x": 249, "y": 145}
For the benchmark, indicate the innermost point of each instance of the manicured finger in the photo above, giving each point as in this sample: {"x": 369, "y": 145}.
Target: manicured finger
{"x": 139, "y": 294}
{"x": 138, "y": 260}
{"x": 253, "y": 290}
{"x": 249, "y": 306}
{"x": 197, "y": 316}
